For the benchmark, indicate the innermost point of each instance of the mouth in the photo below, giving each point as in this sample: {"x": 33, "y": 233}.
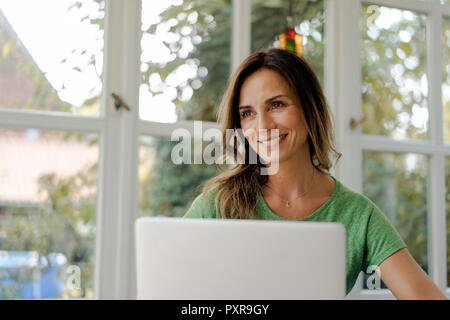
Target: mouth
{"x": 273, "y": 140}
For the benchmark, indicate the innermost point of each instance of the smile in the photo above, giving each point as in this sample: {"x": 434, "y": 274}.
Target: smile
{"x": 273, "y": 141}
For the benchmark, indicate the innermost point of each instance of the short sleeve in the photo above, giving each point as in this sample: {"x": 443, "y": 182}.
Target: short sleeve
{"x": 382, "y": 239}
{"x": 201, "y": 207}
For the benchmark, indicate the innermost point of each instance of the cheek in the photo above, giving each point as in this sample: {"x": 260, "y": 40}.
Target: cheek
{"x": 248, "y": 130}
{"x": 250, "y": 135}
{"x": 294, "y": 121}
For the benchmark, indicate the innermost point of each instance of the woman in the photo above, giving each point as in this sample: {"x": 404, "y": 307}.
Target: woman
{"x": 277, "y": 101}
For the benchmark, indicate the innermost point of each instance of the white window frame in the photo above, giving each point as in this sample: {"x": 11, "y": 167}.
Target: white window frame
{"x": 119, "y": 131}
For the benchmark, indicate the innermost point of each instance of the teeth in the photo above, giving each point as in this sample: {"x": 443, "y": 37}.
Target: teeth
{"x": 272, "y": 141}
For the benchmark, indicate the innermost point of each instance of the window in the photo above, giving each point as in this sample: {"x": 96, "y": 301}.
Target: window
{"x": 395, "y": 103}
{"x": 307, "y": 17}
{"x": 395, "y": 87}
{"x": 162, "y": 192}
{"x": 397, "y": 183}
{"x": 51, "y": 61}
{"x": 48, "y": 191}
{"x": 51, "y": 68}
{"x": 185, "y": 59}
{"x": 402, "y": 119}
{"x": 185, "y": 64}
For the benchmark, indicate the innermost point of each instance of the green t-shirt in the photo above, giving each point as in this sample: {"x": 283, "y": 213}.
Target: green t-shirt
{"x": 371, "y": 238}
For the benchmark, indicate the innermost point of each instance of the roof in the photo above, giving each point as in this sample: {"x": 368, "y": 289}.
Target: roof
{"x": 22, "y": 81}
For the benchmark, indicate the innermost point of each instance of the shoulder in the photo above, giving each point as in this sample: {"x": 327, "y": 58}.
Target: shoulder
{"x": 351, "y": 200}
{"x": 204, "y": 205}
{"x": 360, "y": 209}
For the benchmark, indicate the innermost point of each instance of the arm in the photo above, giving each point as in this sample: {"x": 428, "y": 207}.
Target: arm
{"x": 406, "y": 279}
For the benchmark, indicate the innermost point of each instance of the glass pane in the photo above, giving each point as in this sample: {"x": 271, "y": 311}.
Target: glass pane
{"x": 447, "y": 202}
{"x": 446, "y": 80}
{"x": 162, "y": 192}
{"x": 397, "y": 184}
{"x": 185, "y": 59}
{"x": 394, "y": 72}
{"x": 270, "y": 18}
{"x": 51, "y": 55}
{"x": 48, "y": 191}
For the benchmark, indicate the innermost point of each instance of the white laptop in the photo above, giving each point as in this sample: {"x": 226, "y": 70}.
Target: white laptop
{"x": 218, "y": 259}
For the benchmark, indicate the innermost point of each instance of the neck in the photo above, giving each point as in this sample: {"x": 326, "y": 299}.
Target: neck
{"x": 293, "y": 177}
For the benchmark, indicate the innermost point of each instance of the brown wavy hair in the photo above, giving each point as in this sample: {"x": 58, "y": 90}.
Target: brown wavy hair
{"x": 237, "y": 187}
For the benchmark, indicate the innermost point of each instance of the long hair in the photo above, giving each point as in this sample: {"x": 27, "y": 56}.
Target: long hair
{"x": 237, "y": 187}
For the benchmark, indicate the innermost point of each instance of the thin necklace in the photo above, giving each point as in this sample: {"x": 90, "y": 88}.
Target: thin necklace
{"x": 286, "y": 202}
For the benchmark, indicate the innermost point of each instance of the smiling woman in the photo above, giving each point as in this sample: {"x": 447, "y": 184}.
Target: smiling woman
{"x": 277, "y": 101}
{"x": 274, "y": 90}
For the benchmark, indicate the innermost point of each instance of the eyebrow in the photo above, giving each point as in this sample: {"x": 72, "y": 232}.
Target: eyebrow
{"x": 266, "y": 102}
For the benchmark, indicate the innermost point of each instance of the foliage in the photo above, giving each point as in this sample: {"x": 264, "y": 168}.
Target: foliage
{"x": 394, "y": 71}
{"x": 401, "y": 193}
{"x": 65, "y": 223}
{"x": 269, "y": 18}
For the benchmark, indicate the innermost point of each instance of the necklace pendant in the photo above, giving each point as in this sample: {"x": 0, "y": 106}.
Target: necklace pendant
{"x": 287, "y": 203}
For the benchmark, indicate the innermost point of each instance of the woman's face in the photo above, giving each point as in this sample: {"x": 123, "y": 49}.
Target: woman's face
{"x": 266, "y": 103}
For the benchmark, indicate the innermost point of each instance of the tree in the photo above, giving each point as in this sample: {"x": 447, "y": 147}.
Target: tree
{"x": 393, "y": 56}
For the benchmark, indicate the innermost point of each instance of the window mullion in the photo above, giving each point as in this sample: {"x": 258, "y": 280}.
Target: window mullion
{"x": 241, "y": 34}
{"x": 128, "y": 187}
{"x": 344, "y": 90}
{"x": 436, "y": 220}
{"x": 117, "y": 203}
{"x": 343, "y": 80}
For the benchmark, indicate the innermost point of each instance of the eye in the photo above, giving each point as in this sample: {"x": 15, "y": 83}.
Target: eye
{"x": 245, "y": 114}
{"x": 277, "y": 104}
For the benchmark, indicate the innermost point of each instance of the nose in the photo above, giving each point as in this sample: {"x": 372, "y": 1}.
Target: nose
{"x": 265, "y": 122}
